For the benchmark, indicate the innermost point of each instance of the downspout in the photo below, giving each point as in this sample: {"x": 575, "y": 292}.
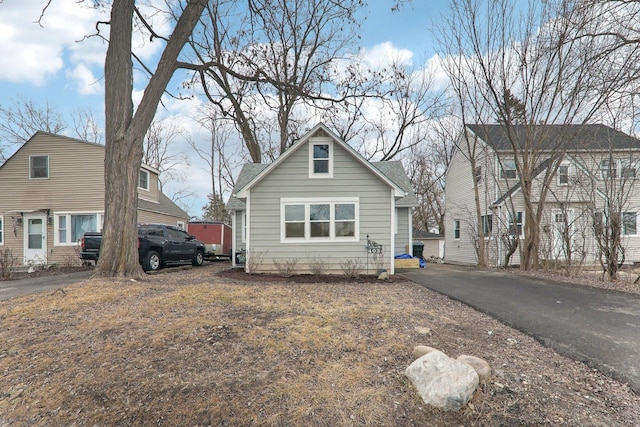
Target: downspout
{"x": 247, "y": 235}
{"x": 393, "y": 233}
{"x": 233, "y": 238}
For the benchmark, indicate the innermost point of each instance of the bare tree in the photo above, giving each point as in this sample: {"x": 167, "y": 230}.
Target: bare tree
{"x": 263, "y": 64}
{"x": 535, "y": 57}
{"x": 125, "y": 130}
{"x": 22, "y": 118}
{"x": 159, "y": 150}
{"x": 86, "y": 126}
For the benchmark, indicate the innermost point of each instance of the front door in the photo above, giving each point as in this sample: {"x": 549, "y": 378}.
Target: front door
{"x": 35, "y": 239}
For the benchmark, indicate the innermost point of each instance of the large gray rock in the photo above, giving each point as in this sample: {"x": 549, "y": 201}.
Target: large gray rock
{"x": 443, "y": 382}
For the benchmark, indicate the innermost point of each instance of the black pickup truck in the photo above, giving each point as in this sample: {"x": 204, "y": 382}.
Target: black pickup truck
{"x": 158, "y": 245}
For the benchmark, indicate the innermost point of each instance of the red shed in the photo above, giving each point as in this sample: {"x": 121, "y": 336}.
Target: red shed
{"x": 215, "y": 235}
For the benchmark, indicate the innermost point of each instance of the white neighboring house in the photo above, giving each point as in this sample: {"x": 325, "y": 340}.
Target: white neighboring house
{"x": 321, "y": 203}
{"x": 598, "y": 167}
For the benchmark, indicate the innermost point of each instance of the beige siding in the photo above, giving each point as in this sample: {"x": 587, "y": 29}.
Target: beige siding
{"x": 291, "y": 180}
{"x": 75, "y": 186}
{"x": 153, "y": 192}
{"x": 159, "y": 218}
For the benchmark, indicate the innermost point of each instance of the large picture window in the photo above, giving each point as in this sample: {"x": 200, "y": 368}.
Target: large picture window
{"x": 39, "y": 167}
{"x": 69, "y": 227}
{"x": 319, "y": 219}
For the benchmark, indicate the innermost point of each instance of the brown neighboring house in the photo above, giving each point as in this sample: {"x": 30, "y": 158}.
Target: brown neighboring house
{"x": 52, "y": 191}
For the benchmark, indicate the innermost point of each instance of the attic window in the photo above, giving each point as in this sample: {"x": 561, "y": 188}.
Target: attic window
{"x": 320, "y": 160}
{"x": 39, "y": 167}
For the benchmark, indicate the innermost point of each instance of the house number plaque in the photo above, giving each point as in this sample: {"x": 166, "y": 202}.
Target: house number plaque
{"x": 373, "y": 247}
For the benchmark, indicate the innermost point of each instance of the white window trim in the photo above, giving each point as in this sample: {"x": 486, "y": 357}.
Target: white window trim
{"x": 307, "y": 202}
{"x": 623, "y": 225}
{"x": 458, "y": 223}
{"x": 484, "y": 220}
{"x": 30, "y": 170}
{"x": 148, "y": 179}
{"x": 521, "y": 236}
{"x": 244, "y": 226}
{"x": 503, "y": 163}
{"x": 181, "y": 225}
{"x": 568, "y": 165}
{"x": 56, "y": 235}
{"x": 329, "y": 174}
{"x": 1, "y": 230}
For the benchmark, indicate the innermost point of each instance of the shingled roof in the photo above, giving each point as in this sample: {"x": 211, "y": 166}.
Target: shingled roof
{"x": 588, "y": 137}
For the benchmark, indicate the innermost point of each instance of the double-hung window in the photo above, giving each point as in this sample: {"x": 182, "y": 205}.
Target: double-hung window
{"x": 608, "y": 168}
{"x": 39, "y": 167}
{"x": 69, "y": 227}
{"x": 629, "y": 223}
{"x": 143, "y": 179}
{"x": 320, "y": 160}
{"x": 487, "y": 225}
{"x": 1, "y": 230}
{"x": 508, "y": 169}
{"x": 563, "y": 174}
{"x": 516, "y": 222}
{"x": 627, "y": 169}
{"x": 319, "y": 219}
{"x": 456, "y": 229}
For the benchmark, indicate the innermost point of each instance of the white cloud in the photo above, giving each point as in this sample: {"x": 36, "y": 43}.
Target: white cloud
{"x": 384, "y": 54}
{"x": 32, "y": 53}
{"x": 83, "y": 80}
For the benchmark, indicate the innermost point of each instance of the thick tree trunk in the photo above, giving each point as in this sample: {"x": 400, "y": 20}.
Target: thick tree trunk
{"x": 125, "y": 132}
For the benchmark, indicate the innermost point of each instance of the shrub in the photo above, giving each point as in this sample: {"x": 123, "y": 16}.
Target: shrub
{"x": 351, "y": 268}
{"x": 287, "y": 267}
{"x": 254, "y": 260}
{"x": 8, "y": 263}
{"x": 318, "y": 266}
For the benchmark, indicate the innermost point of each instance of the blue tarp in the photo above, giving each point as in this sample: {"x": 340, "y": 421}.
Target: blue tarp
{"x": 423, "y": 263}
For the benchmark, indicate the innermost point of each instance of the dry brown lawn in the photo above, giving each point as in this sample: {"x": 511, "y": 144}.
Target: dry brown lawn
{"x": 203, "y": 347}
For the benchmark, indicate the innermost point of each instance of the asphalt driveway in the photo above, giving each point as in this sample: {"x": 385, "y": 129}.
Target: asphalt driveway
{"x": 597, "y": 326}
{"x": 14, "y": 288}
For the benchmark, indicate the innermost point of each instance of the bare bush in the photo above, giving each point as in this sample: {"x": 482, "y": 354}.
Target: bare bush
{"x": 352, "y": 268}
{"x": 8, "y": 263}
{"x": 287, "y": 267}
{"x": 318, "y": 266}
{"x": 254, "y": 260}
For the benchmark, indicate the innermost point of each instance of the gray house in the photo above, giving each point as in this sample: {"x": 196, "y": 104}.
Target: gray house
{"x": 591, "y": 181}
{"x": 321, "y": 206}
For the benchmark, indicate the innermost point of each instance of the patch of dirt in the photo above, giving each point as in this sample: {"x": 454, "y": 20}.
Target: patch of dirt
{"x": 206, "y": 346}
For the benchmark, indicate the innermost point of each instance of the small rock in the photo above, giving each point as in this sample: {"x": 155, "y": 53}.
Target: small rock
{"x": 480, "y": 365}
{"x": 421, "y": 350}
{"x": 423, "y": 330}
{"x": 384, "y": 275}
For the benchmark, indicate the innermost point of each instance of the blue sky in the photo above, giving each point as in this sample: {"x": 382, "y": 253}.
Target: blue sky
{"x": 51, "y": 64}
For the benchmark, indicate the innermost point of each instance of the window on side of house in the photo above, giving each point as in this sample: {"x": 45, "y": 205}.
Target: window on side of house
{"x": 628, "y": 169}
{"x": 69, "y": 227}
{"x": 508, "y": 169}
{"x": 322, "y": 220}
{"x": 516, "y": 223}
{"x": 629, "y": 223}
{"x": 320, "y": 160}
{"x": 1, "y": 230}
{"x": 563, "y": 174}
{"x": 487, "y": 225}
{"x": 143, "y": 179}
{"x": 180, "y": 225}
{"x": 608, "y": 168}
{"x": 456, "y": 229}
{"x": 478, "y": 173}
{"x": 38, "y": 167}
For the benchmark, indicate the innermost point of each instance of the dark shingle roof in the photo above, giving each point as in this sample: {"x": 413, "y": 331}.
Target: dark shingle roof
{"x": 396, "y": 173}
{"x": 576, "y": 137}
{"x": 247, "y": 173}
{"x": 164, "y": 206}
